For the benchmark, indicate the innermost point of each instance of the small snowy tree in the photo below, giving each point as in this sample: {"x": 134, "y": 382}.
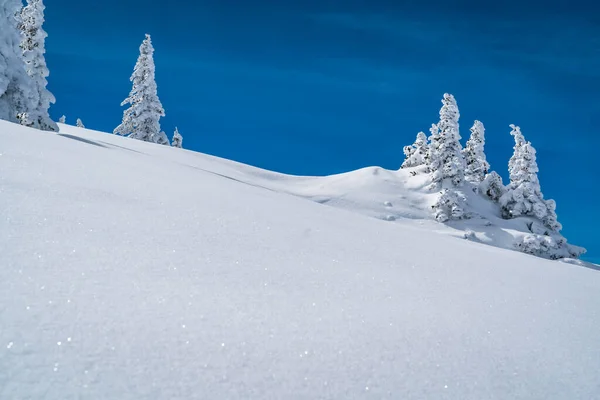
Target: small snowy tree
{"x": 177, "y": 140}
{"x": 447, "y": 162}
{"x": 17, "y": 93}
{"x": 476, "y": 164}
{"x": 492, "y": 186}
{"x": 415, "y": 154}
{"x": 33, "y": 48}
{"x": 449, "y": 205}
{"x": 141, "y": 119}
{"x": 63, "y": 120}
{"x": 79, "y": 123}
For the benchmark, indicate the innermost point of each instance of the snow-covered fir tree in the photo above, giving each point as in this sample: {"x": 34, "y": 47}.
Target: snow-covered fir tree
{"x": 79, "y": 123}
{"x": 177, "y": 140}
{"x": 141, "y": 119}
{"x": 524, "y": 195}
{"x": 446, "y": 159}
{"x": 17, "y": 92}
{"x": 33, "y": 39}
{"x": 415, "y": 154}
{"x": 63, "y": 119}
{"x": 476, "y": 163}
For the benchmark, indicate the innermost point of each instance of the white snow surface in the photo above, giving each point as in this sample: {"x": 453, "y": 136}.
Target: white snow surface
{"x": 130, "y": 270}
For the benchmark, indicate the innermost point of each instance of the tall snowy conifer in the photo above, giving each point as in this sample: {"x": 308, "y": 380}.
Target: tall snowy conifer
{"x": 79, "y": 123}
{"x": 63, "y": 119}
{"x": 447, "y": 162}
{"x": 17, "y": 92}
{"x": 416, "y": 154}
{"x": 177, "y": 139}
{"x": 524, "y": 195}
{"x": 476, "y": 163}
{"x": 33, "y": 39}
{"x": 141, "y": 119}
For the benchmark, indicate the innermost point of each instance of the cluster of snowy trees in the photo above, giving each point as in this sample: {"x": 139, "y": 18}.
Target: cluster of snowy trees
{"x": 25, "y": 99}
{"x": 451, "y": 167}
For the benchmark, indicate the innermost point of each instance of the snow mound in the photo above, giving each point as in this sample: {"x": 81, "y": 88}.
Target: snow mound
{"x": 137, "y": 271}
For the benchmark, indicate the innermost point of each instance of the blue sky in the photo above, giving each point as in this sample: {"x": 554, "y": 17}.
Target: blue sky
{"x": 320, "y": 86}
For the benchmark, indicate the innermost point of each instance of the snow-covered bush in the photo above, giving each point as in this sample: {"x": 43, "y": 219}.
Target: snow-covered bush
{"x": 415, "y": 154}
{"x": 33, "y": 48}
{"x": 445, "y": 152}
{"x": 141, "y": 119}
{"x": 476, "y": 163}
{"x": 449, "y": 205}
{"x": 17, "y": 92}
{"x": 492, "y": 186}
{"x": 177, "y": 140}
{"x": 63, "y": 119}
{"x": 552, "y": 246}
{"x": 79, "y": 123}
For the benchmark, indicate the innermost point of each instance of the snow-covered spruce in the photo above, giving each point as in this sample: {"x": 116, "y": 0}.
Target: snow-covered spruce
{"x": 177, "y": 140}
{"x": 446, "y": 162}
{"x": 524, "y": 195}
{"x": 63, "y": 119}
{"x": 476, "y": 163}
{"x": 141, "y": 119}
{"x": 79, "y": 123}
{"x": 492, "y": 186}
{"x": 17, "y": 92}
{"x": 446, "y": 159}
{"x": 415, "y": 154}
{"x": 33, "y": 46}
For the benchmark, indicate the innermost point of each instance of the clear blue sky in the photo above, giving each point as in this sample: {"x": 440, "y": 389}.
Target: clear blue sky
{"x": 322, "y": 86}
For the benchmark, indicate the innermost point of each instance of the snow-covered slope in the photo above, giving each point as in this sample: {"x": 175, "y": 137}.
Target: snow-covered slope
{"x": 135, "y": 271}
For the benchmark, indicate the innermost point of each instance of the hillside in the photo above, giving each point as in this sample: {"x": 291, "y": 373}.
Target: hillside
{"x": 136, "y": 271}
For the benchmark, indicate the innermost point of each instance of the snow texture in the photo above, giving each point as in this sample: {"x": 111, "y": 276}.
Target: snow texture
{"x": 142, "y": 119}
{"x": 226, "y": 283}
{"x": 33, "y": 47}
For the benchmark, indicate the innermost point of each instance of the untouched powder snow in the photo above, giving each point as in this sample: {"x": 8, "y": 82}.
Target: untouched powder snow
{"x": 130, "y": 270}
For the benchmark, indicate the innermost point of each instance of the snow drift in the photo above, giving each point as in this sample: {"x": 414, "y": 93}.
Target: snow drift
{"x": 137, "y": 271}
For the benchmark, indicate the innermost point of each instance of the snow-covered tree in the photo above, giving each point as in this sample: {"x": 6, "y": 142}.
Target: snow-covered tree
{"x": 79, "y": 123}
{"x": 524, "y": 195}
{"x": 415, "y": 154}
{"x": 446, "y": 159}
{"x": 492, "y": 186}
{"x": 160, "y": 138}
{"x": 63, "y": 119}
{"x": 476, "y": 164}
{"x": 17, "y": 92}
{"x": 33, "y": 39}
{"x": 177, "y": 140}
{"x": 141, "y": 119}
